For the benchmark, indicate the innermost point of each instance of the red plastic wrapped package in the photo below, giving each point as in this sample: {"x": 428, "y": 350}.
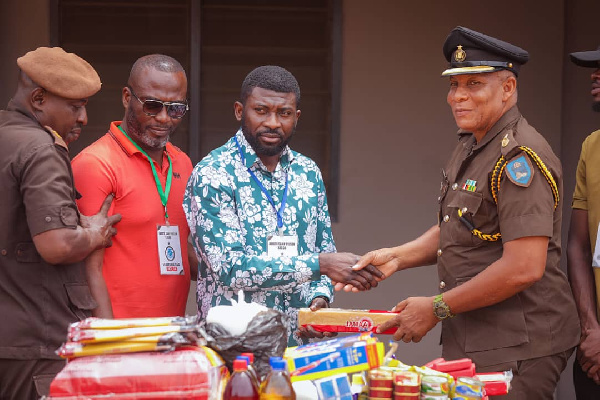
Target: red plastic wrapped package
{"x": 189, "y": 372}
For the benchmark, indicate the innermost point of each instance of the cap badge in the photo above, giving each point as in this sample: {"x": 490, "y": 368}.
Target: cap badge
{"x": 459, "y": 54}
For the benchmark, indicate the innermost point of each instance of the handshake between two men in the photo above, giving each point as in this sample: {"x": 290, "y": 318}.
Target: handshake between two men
{"x": 344, "y": 273}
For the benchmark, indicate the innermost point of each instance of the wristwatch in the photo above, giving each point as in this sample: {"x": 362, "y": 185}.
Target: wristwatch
{"x": 440, "y": 308}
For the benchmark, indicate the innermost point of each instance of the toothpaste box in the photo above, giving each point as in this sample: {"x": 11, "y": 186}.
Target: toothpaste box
{"x": 344, "y": 355}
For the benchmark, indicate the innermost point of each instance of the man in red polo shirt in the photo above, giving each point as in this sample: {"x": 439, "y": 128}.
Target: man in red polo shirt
{"x": 146, "y": 272}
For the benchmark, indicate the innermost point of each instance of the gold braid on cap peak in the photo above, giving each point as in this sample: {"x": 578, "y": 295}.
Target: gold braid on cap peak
{"x": 495, "y": 189}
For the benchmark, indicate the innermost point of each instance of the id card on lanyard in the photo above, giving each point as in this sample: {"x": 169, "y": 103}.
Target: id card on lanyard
{"x": 278, "y": 244}
{"x": 167, "y": 236}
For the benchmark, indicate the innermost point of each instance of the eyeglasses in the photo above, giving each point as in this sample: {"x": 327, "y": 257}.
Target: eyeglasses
{"x": 152, "y": 107}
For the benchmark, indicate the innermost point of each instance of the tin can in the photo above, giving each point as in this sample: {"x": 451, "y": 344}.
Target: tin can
{"x": 468, "y": 389}
{"x": 381, "y": 379}
{"x": 435, "y": 384}
{"x": 406, "y": 396}
{"x": 407, "y": 382}
{"x": 426, "y": 396}
{"x": 380, "y": 393}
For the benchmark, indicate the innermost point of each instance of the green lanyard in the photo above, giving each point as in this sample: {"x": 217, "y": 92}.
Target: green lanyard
{"x": 164, "y": 194}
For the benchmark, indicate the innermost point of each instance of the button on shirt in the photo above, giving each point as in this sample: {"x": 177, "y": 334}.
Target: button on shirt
{"x": 230, "y": 218}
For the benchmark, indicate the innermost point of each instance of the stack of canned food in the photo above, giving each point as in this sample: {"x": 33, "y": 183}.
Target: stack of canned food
{"x": 410, "y": 385}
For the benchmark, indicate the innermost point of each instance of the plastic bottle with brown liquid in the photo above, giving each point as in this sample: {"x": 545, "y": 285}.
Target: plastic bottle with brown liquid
{"x": 277, "y": 384}
{"x": 250, "y": 358}
{"x": 241, "y": 386}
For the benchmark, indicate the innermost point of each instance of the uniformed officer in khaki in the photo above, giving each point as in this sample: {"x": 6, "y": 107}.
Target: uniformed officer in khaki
{"x": 43, "y": 238}
{"x": 503, "y": 300}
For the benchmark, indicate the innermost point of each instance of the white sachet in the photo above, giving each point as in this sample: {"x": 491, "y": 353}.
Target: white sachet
{"x": 236, "y": 317}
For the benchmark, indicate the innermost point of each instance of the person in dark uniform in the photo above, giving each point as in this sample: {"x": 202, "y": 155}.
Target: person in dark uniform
{"x": 44, "y": 238}
{"x": 583, "y": 251}
{"x": 504, "y": 301}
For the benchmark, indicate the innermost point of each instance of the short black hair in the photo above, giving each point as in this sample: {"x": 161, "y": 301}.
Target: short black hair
{"x": 270, "y": 77}
{"x": 159, "y": 62}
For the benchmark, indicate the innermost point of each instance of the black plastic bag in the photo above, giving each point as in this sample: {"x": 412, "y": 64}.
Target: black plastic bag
{"x": 266, "y": 336}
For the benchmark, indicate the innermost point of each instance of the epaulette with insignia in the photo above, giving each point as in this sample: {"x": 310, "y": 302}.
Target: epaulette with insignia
{"x": 58, "y": 140}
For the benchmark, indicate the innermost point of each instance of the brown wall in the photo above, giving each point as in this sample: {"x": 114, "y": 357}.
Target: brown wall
{"x": 397, "y": 131}
{"x": 24, "y": 26}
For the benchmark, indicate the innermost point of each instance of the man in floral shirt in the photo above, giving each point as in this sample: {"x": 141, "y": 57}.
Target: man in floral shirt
{"x": 258, "y": 212}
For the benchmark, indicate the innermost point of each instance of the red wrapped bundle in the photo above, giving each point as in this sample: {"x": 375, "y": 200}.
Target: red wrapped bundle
{"x": 189, "y": 372}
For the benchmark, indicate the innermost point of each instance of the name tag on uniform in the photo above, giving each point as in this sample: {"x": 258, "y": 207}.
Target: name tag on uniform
{"x": 596, "y": 257}
{"x": 282, "y": 245}
{"x": 169, "y": 250}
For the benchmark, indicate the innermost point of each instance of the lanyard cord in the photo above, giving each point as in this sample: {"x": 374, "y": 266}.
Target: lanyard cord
{"x": 164, "y": 194}
{"x": 264, "y": 190}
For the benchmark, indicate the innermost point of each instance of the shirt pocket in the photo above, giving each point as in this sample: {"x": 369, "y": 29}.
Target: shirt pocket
{"x": 81, "y": 301}
{"x": 469, "y": 203}
{"x": 497, "y": 326}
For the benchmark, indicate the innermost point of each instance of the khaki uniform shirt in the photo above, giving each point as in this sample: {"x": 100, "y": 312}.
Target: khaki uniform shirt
{"x": 37, "y": 300}
{"x": 587, "y": 194}
{"x": 542, "y": 319}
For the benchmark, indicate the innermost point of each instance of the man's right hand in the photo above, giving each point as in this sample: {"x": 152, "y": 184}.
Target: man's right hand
{"x": 100, "y": 226}
{"x": 588, "y": 354}
{"x": 382, "y": 260}
{"x": 338, "y": 267}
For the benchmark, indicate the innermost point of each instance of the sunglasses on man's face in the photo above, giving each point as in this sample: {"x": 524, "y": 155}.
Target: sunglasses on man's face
{"x": 152, "y": 107}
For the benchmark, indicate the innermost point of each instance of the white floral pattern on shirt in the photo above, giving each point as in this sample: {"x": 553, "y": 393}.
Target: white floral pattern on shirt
{"x": 230, "y": 218}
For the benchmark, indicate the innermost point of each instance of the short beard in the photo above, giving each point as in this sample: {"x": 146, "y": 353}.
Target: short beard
{"x": 596, "y": 106}
{"x": 136, "y": 132}
{"x": 261, "y": 150}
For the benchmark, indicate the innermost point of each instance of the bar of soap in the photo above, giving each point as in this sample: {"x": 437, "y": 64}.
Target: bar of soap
{"x": 342, "y": 320}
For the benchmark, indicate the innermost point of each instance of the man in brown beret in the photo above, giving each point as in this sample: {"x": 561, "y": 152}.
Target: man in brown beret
{"x": 503, "y": 300}
{"x": 44, "y": 238}
{"x": 583, "y": 251}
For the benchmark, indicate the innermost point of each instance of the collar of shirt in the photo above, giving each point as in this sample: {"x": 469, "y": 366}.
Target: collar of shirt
{"x": 129, "y": 148}
{"x": 509, "y": 117}
{"x": 253, "y": 161}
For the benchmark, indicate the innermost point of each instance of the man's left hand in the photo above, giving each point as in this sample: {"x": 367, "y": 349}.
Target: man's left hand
{"x": 309, "y": 332}
{"x": 338, "y": 267}
{"x": 415, "y": 318}
{"x": 588, "y": 354}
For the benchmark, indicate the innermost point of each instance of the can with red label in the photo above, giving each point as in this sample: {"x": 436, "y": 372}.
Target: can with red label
{"x": 407, "y": 382}
{"x": 379, "y": 378}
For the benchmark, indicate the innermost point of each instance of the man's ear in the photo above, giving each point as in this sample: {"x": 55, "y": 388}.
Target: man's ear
{"x": 38, "y": 98}
{"x": 509, "y": 87}
{"x": 238, "y": 110}
{"x": 125, "y": 97}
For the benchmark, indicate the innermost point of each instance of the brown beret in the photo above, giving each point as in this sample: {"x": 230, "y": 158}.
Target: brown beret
{"x": 64, "y": 74}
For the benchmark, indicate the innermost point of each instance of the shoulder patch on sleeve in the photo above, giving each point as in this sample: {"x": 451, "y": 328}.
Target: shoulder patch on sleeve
{"x": 520, "y": 170}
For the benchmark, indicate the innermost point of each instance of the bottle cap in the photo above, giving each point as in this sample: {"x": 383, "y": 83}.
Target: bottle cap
{"x": 277, "y": 363}
{"x": 240, "y": 365}
{"x": 250, "y": 356}
{"x": 246, "y": 358}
